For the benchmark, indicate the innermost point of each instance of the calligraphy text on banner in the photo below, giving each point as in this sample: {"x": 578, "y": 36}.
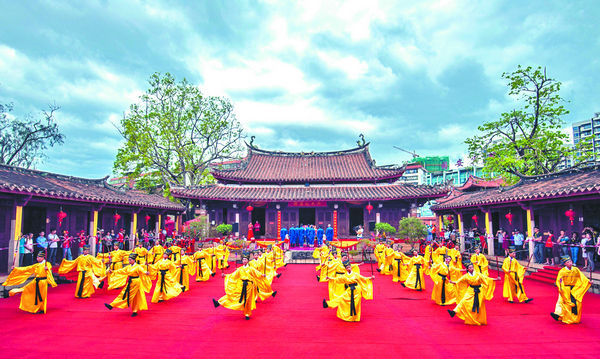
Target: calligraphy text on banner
{"x": 307, "y": 204}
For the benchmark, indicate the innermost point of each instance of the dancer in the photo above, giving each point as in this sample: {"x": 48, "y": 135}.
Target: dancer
{"x": 416, "y": 277}
{"x": 241, "y": 288}
{"x": 142, "y": 253}
{"x": 443, "y": 292}
{"x": 329, "y": 265}
{"x": 203, "y": 272}
{"x": 185, "y": 265}
{"x": 222, "y": 253}
{"x": 35, "y": 293}
{"x": 156, "y": 252}
{"x": 572, "y": 286}
{"x": 472, "y": 290}
{"x": 514, "y": 273}
{"x": 356, "y": 287}
{"x": 480, "y": 261}
{"x": 399, "y": 266}
{"x": 91, "y": 273}
{"x": 135, "y": 278}
{"x": 166, "y": 285}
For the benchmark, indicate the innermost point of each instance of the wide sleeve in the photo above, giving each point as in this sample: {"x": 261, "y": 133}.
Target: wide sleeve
{"x": 67, "y": 266}
{"x": 19, "y": 275}
{"x": 118, "y": 278}
{"x": 49, "y": 275}
{"x": 488, "y": 285}
{"x": 435, "y": 270}
{"x": 366, "y": 286}
{"x": 461, "y": 287}
{"x": 98, "y": 267}
{"x": 317, "y": 252}
{"x": 583, "y": 284}
{"x": 231, "y": 281}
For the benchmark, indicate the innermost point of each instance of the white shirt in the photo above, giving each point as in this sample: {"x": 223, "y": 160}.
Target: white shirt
{"x": 52, "y": 237}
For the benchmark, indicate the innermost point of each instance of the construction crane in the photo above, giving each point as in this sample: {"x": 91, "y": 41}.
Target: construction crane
{"x": 414, "y": 154}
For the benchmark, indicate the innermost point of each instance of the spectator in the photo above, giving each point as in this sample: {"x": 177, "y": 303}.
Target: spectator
{"x": 505, "y": 243}
{"x": 563, "y": 241}
{"x": 257, "y": 230}
{"x": 519, "y": 239}
{"x": 99, "y": 240}
{"x": 66, "y": 245}
{"x": 587, "y": 241}
{"x": 575, "y": 242}
{"x": 538, "y": 250}
{"x": 550, "y": 248}
{"x": 53, "y": 246}
{"x": 500, "y": 237}
{"x": 40, "y": 243}
{"x": 26, "y": 250}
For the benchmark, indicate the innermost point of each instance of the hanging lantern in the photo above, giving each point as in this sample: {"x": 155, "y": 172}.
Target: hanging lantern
{"x": 369, "y": 207}
{"x": 61, "y": 215}
{"x": 116, "y": 217}
{"x": 249, "y": 208}
{"x": 571, "y": 214}
{"x": 450, "y": 219}
{"x": 509, "y": 216}
{"x": 147, "y": 218}
{"x": 474, "y": 218}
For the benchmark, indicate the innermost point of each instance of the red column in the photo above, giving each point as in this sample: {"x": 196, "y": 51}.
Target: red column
{"x": 279, "y": 225}
{"x": 335, "y": 236}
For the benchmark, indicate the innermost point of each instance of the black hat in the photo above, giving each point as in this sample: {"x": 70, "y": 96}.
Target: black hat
{"x": 133, "y": 256}
{"x": 512, "y": 249}
{"x": 467, "y": 263}
{"x": 346, "y": 263}
{"x": 168, "y": 252}
{"x": 42, "y": 254}
{"x": 86, "y": 247}
{"x": 246, "y": 255}
{"x": 565, "y": 259}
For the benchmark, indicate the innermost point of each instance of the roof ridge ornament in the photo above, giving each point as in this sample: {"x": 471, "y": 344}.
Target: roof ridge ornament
{"x": 363, "y": 144}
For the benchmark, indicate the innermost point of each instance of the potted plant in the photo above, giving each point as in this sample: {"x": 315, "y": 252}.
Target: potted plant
{"x": 412, "y": 230}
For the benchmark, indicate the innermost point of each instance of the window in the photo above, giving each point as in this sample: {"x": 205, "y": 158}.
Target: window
{"x": 285, "y": 216}
{"x": 293, "y": 216}
{"x": 271, "y": 216}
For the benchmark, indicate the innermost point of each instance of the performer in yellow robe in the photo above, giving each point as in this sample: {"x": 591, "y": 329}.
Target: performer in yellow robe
{"x": 212, "y": 252}
{"x": 379, "y": 252}
{"x": 185, "y": 266}
{"x": 175, "y": 250}
{"x": 514, "y": 273}
{"x": 399, "y": 266}
{"x": 356, "y": 287}
{"x": 91, "y": 273}
{"x": 222, "y": 253}
{"x": 321, "y": 253}
{"x": 444, "y": 292}
{"x": 156, "y": 252}
{"x": 386, "y": 267}
{"x": 439, "y": 254}
{"x": 279, "y": 255}
{"x": 142, "y": 253}
{"x": 241, "y": 288}
{"x": 35, "y": 293}
{"x": 327, "y": 266}
{"x": 428, "y": 252}
{"x": 472, "y": 290}
{"x": 261, "y": 265}
{"x": 203, "y": 272}
{"x": 416, "y": 277}
{"x": 480, "y": 262}
{"x": 355, "y": 266}
{"x": 166, "y": 285}
{"x": 572, "y": 286}
{"x": 336, "y": 269}
{"x": 135, "y": 278}
{"x": 456, "y": 257}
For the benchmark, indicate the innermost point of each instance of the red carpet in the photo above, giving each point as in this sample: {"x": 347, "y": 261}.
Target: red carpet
{"x": 397, "y": 323}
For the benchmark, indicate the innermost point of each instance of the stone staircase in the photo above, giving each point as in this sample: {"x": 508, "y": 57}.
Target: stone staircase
{"x": 547, "y": 274}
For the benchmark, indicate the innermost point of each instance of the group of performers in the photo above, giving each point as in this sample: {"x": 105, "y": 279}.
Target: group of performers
{"x": 307, "y": 235}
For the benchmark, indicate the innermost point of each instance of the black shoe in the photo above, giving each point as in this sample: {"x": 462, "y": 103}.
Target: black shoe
{"x": 528, "y": 300}
{"x": 555, "y": 316}
{"x": 379, "y": 270}
{"x": 110, "y": 307}
{"x": 161, "y": 300}
{"x": 247, "y": 317}
{"x": 274, "y": 294}
{"x": 101, "y": 285}
{"x": 511, "y": 302}
{"x": 285, "y": 265}
{"x": 215, "y": 303}
{"x": 278, "y": 275}
{"x": 402, "y": 284}
{"x": 318, "y": 279}
{"x": 133, "y": 314}
{"x": 40, "y": 312}
{"x": 212, "y": 275}
{"x": 325, "y": 303}
{"x": 452, "y": 313}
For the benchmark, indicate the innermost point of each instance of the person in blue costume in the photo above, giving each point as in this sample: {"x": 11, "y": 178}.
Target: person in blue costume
{"x": 302, "y": 235}
{"x": 310, "y": 236}
{"x": 329, "y": 233}
{"x": 320, "y": 236}
{"x": 283, "y": 233}
{"x": 293, "y": 236}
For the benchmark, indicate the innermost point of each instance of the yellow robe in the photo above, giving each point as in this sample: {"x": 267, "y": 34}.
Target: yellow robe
{"x": 480, "y": 263}
{"x": 326, "y": 268}
{"x": 456, "y": 257}
{"x": 438, "y": 255}
{"x": 136, "y": 284}
{"x": 183, "y": 274}
{"x": 467, "y": 310}
{"x": 155, "y": 254}
{"x": 125, "y": 258}
{"x": 428, "y": 253}
{"x": 201, "y": 268}
{"x": 176, "y": 253}
{"x": 513, "y": 282}
{"x": 348, "y": 304}
{"x": 142, "y": 255}
{"x": 212, "y": 262}
{"x": 279, "y": 257}
{"x": 335, "y": 289}
{"x": 443, "y": 292}
{"x": 416, "y": 277}
{"x": 399, "y": 269}
{"x": 222, "y": 258}
{"x": 380, "y": 254}
{"x": 572, "y": 286}
{"x": 91, "y": 273}
{"x": 35, "y": 293}
{"x": 166, "y": 284}
{"x": 241, "y": 289}
{"x": 386, "y": 267}
{"x": 324, "y": 254}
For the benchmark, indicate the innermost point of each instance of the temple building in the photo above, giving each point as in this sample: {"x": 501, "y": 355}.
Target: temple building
{"x": 343, "y": 189}
{"x": 33, "y": 201}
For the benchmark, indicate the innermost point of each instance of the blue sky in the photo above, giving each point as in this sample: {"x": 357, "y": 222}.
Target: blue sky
{"x": 306, "y": 76}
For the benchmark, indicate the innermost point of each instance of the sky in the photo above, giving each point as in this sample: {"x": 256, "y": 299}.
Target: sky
{"x": 303, "y": 76}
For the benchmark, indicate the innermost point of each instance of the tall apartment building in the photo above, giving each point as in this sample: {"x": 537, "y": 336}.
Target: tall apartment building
{"x": 588, "y": 129}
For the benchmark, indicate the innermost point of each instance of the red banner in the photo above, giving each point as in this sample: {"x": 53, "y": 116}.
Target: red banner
{"x": 335, "y": 225}
{"x": 307, "y": 204}
{"x": 279, "y": 225}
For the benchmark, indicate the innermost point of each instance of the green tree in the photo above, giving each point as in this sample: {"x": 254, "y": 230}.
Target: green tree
{"x": 412, "y": 230}
{"x": 224, "y": 228}
{"x": 386, "y": 228}
{"x": 24, "y": 140}
{"x": 174, "y": 132}
{"x": 527, "y": 141}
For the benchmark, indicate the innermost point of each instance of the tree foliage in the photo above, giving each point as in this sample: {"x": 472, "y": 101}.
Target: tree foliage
{"x": 412, "y": 229}
{"x": 174, "y": 132}
{"x": 383, "y": 227}
{"x": 224, "y": 228}
{"x": 527, "y": 141}
{"x": 24, "y": 140}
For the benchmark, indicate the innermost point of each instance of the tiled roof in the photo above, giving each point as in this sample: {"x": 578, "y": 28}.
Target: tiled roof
{"x": 329, "y": 193}
{"x": 564, "y": 184}
{"x": 281, "y": 167}
{"x": 474, "y": 183}
{"x": 50, "y": 185}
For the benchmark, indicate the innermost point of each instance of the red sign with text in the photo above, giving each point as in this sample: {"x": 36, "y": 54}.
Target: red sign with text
{"x": 279, "y": 225}
{"x": 307, "y": 204}
{"x": 335, "y": 225}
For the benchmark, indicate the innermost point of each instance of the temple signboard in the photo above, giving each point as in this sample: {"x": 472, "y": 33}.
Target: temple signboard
{"x": 307, "y": 204}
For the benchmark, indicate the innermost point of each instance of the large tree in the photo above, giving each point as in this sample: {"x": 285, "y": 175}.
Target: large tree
{"x": 529, "y": 140}
{"x": 174, "y": 132}
{"x": 24, "y": 140}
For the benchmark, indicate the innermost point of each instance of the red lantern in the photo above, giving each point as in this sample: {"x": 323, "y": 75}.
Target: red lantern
{"x": 474, "y": 218}
{"x": 450, "y": 219}
{"x": 147, "y": 218}
{"x": 116, "y": 217}
{"x": 571, "y": 214}
{"x": 509, "y": 216}
{"x": 61, "y": 215}
{"x": 249, "y": 208}
{"x": 369, "y": 207}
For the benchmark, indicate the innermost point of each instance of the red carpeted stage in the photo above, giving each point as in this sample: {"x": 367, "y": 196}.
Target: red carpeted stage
{"x": 398, "y": 323}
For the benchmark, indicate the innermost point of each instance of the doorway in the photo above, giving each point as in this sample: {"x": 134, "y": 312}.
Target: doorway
{"x": 306, "y": 216}
{"x": 34, "y": 220}
{"x": 258, "y": 214}
{"x": 356, "y": 219}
